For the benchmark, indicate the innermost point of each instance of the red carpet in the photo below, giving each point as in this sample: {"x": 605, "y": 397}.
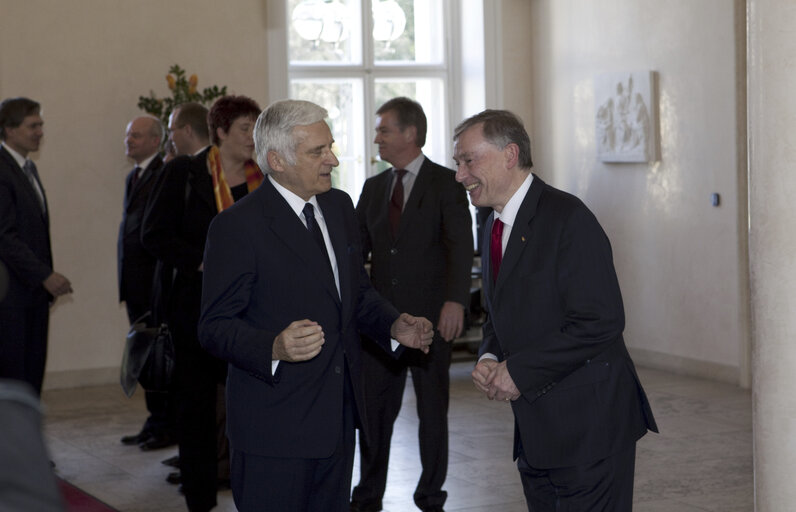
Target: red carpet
{"x": 78, "y": 501}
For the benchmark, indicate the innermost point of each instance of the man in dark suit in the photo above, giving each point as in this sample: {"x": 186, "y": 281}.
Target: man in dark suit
{"x": 175, "y": 228}
{"x": 24, "y": 247}
{"x": 285, "y": 293}
{"x": 416, "y": 225}
{"x": 553, "y": 344}
{"x": 136, "y": 265}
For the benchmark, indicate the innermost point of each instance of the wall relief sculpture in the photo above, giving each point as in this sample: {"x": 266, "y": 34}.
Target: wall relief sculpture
{"x": 626, "y": 117}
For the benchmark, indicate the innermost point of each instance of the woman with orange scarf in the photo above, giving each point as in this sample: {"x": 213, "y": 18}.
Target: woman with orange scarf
{"x": 191, "y": 191}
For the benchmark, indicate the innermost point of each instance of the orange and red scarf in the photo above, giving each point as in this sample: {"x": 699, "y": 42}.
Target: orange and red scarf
{"x": 221, "y": 189}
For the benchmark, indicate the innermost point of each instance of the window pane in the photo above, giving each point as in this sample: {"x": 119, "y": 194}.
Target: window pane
{"x": 344, "y": 100}
{"x": 430, "y": 93}
{"x": 407, "y": 31}
{"x": 324, "y": 33}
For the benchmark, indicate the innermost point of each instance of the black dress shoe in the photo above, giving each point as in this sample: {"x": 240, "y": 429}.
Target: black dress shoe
{"x": 172, "y": 461}
{"x": 135, "y": 439}
{"x": 174, "y": 478}
{"x": 157, "y": 442}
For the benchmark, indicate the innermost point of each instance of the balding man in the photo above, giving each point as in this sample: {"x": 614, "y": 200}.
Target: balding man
{"x": 136, "y": 266}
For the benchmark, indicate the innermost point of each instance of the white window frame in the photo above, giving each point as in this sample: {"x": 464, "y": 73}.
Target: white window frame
{"x": 466, "y": 21}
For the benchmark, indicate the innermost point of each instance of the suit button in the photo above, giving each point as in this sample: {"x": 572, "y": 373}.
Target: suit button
{"x": 393, "y": 251}
{"x": 338, "y": 370}
{"x": 394, "y": 281}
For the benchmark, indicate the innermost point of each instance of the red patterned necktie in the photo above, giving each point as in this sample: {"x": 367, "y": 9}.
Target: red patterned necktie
{"x": 496, "y": 248}
{"x": 397, "y": 201}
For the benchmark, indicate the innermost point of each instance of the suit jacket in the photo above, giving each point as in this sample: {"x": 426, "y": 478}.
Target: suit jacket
{"x": 263, "y": 270}
{"x": 174, "y": 229}
{"x": 136, "y": 265}
{"x": 556, "y": 317}
{"x": 430, "y": 260}
{"x": 24, "y": 236}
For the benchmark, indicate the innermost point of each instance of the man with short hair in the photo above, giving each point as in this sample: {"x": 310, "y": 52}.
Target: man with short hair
{"x": 188, "y": 130}
{"x": 284, "y": 295}
{"x": 136, "y": 265}
{"x": 553, "y": 345}
{"x": 416, "y": 226}
{"x": 25, "y": 247}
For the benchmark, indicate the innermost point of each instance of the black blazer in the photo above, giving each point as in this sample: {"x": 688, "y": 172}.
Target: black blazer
{"x": 136, "y": 265}
{"x": 263, "y": 270}
{"x": 24, "y": 236}
{"x": 430, "y": 260}
{"x": 175, "y": 227}
{"x": 556, "y": 317}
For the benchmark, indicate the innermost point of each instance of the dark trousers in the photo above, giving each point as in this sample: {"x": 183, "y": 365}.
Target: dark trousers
{"x": 602, "y": 486}
{"x": 197, "y": 375}
{"x": 298, "y": 485}
{"x": 161, "y": 406}
{"x": 384, "y": 380}
{"x": 23, "y": 342}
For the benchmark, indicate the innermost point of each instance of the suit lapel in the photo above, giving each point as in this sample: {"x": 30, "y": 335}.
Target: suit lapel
{"x": 287, "y": 226}
{"x": 149, "y": 174}
{"x": 131, "y": 193}
{"x": 421, "y": 184}
{"x": 26, "y": 185}
{"x": 520, "y": 231}
{"x": 380, "y": 204}
{"x": 486, "y": 260}
{"x": 199, "y": 175}
{"x": 335, "y": 224}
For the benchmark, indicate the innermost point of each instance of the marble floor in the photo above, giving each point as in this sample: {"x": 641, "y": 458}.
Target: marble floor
{"x": 701, "y": 461}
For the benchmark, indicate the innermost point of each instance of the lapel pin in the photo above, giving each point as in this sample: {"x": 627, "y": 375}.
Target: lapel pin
{"x": 523, "y": 239}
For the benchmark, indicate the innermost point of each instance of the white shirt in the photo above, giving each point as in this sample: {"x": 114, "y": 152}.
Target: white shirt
{"x": 508, "y": 216}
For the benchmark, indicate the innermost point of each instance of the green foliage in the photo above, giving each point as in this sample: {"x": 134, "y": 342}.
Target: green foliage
{"x": 183, "y": 90}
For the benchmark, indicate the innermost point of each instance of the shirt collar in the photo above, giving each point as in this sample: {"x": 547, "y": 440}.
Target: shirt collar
{"x": 295, "y": 202}
{"x": 19, "y": 158}
{"x": 414, "y": 166}
{"x": 203, "y": 148}
{"x": 509, "y": 213}
{"x": 145, "y": 163}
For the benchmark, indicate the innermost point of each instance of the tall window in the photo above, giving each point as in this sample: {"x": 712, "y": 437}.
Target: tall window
{"x": 350, "y": 56}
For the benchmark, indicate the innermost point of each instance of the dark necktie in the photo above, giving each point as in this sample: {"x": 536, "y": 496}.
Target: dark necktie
{"x": 397, "y": 201}
{"x": 315, "y": 230}
{"x": 134, "y": 177}
{"x": 29, "y": 169}
{"x": 496, "y": 248}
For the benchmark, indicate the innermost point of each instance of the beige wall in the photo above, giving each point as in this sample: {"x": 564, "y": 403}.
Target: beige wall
{"x": 772, "y": 243}
{"x": 681, "y": 262}
{"x": 87, "y": 61}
